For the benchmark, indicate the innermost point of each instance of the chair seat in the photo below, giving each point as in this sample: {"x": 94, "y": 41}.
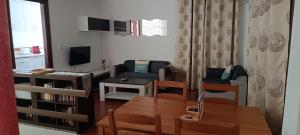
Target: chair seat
{"x": 125, "y": 132}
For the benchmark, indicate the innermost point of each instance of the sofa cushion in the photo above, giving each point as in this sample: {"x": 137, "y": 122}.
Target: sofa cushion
{"x": 154, "y": 66}
{"x": 130, "y": 65}
{"x": 151, "y": 76}
{"x": 141, "y": 66}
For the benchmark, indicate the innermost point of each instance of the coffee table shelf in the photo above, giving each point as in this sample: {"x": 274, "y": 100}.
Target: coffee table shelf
{"x": 121, "y": 95}
{"x": 144, "y": 86}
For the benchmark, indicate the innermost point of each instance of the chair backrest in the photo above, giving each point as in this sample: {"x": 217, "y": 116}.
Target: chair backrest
{"x": 170, "y": 84}
{"x": 208, "y": 127}
{"x": 133, "y": 119}
{"x": 222, "y": 87}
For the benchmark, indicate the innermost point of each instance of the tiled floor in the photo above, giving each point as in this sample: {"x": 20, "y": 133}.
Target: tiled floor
{"x": 27, "y": 129}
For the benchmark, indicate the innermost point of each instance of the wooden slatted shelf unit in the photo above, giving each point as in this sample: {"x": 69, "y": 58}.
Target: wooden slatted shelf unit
{"x": 57, "y": 100}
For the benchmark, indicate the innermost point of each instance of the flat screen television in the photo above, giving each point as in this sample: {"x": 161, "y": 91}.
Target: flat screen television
{"x": 80, "y": 55}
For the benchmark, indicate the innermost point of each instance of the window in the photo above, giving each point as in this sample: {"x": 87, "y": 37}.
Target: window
{"x": 154, "y": 27}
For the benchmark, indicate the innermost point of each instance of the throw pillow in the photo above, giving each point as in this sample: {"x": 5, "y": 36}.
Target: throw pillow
{"x": 141, "y": 66}
{"x": 227, "y": 72}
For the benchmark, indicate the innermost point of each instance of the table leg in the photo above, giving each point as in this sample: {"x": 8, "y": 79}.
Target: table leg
{"x": 112, "y": 90}
{"x": 150, "y": 89}
{"x": 101, "y": 130}
{"x": 102, "y": 92}
{"x": 142, "y": 91}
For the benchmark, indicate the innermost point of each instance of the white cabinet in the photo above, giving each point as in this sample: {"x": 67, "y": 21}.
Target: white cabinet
{"x": 29, "y": 63}
{"x": 23, "y": 63}
{"x": 86, "y": 23}
{"x": 37, "y": 62}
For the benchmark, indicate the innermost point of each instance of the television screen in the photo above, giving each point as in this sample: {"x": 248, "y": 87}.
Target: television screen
{"x": 80, "y": 55}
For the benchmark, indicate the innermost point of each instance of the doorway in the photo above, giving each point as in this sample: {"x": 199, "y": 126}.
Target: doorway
{"x": 31, "y": 46}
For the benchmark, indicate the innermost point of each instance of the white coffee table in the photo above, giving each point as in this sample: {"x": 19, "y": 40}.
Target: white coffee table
{"x": 144, "y": 86}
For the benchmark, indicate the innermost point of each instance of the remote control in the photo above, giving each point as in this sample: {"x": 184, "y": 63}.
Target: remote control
{"x": 124, "y": 79}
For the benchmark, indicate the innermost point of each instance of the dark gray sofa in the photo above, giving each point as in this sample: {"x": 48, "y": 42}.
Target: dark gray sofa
{"x": 157, "y": 70}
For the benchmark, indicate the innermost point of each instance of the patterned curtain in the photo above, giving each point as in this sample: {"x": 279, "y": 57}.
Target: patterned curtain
{"x": 184, "y": 33}
{"x": 268, "y": 58}
{"x": 205, "y": 36}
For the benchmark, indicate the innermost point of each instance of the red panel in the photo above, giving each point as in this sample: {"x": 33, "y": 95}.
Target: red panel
{"x": 8, "y": 114}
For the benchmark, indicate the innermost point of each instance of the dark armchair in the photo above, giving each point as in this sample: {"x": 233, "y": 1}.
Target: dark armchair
{"x": 238, "y": 77}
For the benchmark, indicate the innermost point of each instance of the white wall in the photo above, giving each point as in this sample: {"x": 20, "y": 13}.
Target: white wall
{"x": 116, "y": 49}
{"x": 64, "y": 33}
{"x": 244, "y": 23}
{"x": 291, "y": 121}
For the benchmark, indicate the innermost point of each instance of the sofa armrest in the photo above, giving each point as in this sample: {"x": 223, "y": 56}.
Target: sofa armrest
{"x": 165, "y": 72}
{"x": 242, "y": 78}
{"x": 243, "y": 88}
{"x": 117, "y": 69}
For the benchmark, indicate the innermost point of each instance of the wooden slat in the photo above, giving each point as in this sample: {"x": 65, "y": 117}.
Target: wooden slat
{"x": 170, "y": 84}
{"x": 53, "y": 114}
{"x": 58, "y": 91}
{"x": 222, "y": 87}
{"x": 211, "y": 127}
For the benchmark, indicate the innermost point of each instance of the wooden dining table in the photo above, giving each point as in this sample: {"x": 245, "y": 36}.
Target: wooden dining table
{"x": 250, "y": 120}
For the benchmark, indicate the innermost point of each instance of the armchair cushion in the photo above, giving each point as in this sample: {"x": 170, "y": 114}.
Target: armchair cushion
{"x": 238, "y": 71}
{"x": 227, "y": 73}
{"x": 215, "y": 72}
{"x": 215, "y": 80}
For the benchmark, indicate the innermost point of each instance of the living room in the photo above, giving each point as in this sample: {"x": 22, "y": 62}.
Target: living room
{"x": 190, "y": 42}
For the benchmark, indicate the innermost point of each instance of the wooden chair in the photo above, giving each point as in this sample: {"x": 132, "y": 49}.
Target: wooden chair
{"x": 222, "y": 87}
{"x": 170, "y": 84}
{"x": 135, "y": 119}
{"x": 205, "y": 127}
